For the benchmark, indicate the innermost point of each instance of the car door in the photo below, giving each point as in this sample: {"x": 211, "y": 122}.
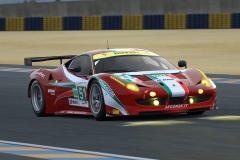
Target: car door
{"x": 75, "y": 98}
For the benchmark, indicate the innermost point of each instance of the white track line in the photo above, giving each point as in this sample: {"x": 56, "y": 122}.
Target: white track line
{"x": 76, "y": 151}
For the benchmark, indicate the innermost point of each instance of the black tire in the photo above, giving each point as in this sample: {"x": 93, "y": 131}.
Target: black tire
{"x": 96, "y": 101}
{"x": 38, "y": 99}
{"x": 195, "y": 113}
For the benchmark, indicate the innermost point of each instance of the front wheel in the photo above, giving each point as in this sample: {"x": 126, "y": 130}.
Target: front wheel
{"x": 38, "y": 99}
{"x": 195, "y": 113}
{"x": 96, "y": 99}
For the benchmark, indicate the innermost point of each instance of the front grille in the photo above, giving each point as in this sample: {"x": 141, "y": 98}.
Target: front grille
{"x": 142, "y": 78}
{"x": 198, "y": 99}
{"x": 149, "y": 101}
{"x": 176, "y": 100}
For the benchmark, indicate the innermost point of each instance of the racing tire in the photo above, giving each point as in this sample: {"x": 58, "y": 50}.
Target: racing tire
{"x": 96, "y": 101}
{"x": 38, "y": 99}
{"x": 195, "y": 113}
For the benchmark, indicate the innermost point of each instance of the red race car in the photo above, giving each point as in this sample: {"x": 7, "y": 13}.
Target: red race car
{"x": 119, "y": 82}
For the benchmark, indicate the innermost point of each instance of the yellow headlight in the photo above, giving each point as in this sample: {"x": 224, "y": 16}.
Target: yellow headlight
{"x": 132, "y": 86}
{"x": 191, "y": 101}
{"x": 152, "y": 94}
{"x": 155, "y": 102}
{"x": 205, "y": 81}
{"x": 200, "y": 91}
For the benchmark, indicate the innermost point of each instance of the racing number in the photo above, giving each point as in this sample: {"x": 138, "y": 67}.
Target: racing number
{"x": 82, "y": 93}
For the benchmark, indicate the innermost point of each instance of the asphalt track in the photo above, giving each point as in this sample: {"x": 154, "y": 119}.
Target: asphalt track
{"x": 164, "y": 137}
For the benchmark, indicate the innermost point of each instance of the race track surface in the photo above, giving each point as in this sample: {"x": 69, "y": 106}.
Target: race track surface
{"x": 164, "y": 137}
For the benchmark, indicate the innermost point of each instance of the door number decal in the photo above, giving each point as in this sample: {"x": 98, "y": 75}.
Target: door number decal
{"x": 81, "y": 92}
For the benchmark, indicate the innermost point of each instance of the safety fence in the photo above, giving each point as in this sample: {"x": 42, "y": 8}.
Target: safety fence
{"x": 122, "y": 22}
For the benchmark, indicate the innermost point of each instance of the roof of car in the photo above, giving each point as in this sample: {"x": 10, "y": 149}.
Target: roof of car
{"x": 105, "y": 53}
{"x": 100, "y": 51}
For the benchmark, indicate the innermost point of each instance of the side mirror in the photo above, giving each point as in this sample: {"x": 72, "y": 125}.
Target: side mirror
{"x": 182, "y": 63}
{"x": 75, "y": 69}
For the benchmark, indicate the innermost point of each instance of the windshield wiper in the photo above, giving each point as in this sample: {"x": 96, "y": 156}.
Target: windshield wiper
{"x": 119, "y": 70}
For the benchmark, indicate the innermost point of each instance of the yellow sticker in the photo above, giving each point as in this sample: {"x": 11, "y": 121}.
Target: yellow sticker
{"x": 123, "y": 53}
{"x": 115, "y": 111}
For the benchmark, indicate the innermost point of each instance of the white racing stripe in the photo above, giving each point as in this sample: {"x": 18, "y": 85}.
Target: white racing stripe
{"x": 171, "y": 85}
{"x": 175, "y": 87}
{"x": 112, "y": 103}
{"x": 76, "y": 151}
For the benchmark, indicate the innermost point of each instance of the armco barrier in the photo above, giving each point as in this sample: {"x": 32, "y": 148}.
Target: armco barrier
{"x": 123, "y": 22}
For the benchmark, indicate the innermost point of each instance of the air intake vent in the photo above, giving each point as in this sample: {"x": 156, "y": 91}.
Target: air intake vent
{"x": 198, "y": 99}
{"x": 176, "y": 100}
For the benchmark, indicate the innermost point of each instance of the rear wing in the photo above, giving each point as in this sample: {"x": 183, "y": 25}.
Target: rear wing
{"x": 28, "y": 61}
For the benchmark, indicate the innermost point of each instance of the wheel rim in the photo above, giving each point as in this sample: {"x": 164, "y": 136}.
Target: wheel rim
{"x": 95, "y": 98}
{"x": 37, "y": 97}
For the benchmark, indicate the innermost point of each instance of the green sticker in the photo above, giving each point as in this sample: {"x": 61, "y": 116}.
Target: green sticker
{"x": 81, "y": 92}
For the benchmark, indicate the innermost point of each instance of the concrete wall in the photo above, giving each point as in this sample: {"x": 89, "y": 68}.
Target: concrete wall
{"x": 119, "y": 7}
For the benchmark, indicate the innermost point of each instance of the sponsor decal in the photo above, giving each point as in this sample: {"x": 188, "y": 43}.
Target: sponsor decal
{"x": 76, "y": 102}
{"x": 106, "y": 87}
{"x": 110, "y": 97}
{"x": 39, "y": 73}
{"x": 176, "y": 106}
{"x": 115, "y": 111}
{"x": 76, "y": 112}
{"x": 126, "y": 52}
{"x": 51, "y": 91}
{"x": 104, "y": 54}
{"x": 167, "y": 79}
{"x": 122, "y": 53}
{"x": 73, "y": 112}
{"x": 81, "y": 91}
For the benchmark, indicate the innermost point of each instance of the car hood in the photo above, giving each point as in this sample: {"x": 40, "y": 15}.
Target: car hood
{"x": 168, "y": 77}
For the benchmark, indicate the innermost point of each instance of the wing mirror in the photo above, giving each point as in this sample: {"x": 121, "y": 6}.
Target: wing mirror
{"x": 182, "y": 63}
{"x": 75, "y": 69}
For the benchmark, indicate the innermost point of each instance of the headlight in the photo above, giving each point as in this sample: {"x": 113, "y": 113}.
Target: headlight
{"x": 205, "y": 81}
{"x": 152, "y": 94}
{"x": 155, "y": 102}
{"x": 130, "y": 86}
{"x": 191, "y": 101}
{"x": 200, "y": 91}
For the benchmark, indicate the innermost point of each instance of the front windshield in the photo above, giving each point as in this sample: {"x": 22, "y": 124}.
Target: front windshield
{"x": 132, "y": 64}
